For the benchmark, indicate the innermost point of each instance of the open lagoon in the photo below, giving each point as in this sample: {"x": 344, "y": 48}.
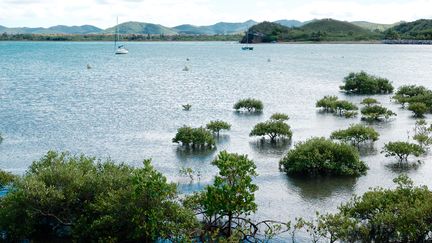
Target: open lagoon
{"x": 128, "y": 108}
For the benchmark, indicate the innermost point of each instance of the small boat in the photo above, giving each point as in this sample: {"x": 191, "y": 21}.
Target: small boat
{"x": 88, "y": 66}
{"x": 121, "y": 49}
{"x": 247, "y": 47}
{"x": 185, "y": 69}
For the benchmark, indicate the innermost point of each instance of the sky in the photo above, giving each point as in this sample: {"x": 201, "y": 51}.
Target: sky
{"x": 103, "y": 13}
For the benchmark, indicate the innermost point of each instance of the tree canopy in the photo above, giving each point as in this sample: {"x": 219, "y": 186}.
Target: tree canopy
{"x": 320, "y": 156}
{"x": 249, "y": 104}
{"x": 332, "y": 104}
{"x": 363, "y": 83}
{"x": 217, "y": 126}
{"x": 194, "y": 137}
{"x": 273, "y": 129}
{"x": 376, "y": 113}
{"x": 402, "y": 150}
{"x": 85, "y": 199}
{"x": 356, "y": 134}
{"x": 279, "y": 117}
{"x": 383, "y": 215}
{"x": 418, "y": 108}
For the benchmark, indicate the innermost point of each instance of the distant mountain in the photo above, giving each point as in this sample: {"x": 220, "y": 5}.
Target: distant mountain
{"x": 221, "y": 28}
{"x": 374, "y": 26}
{"x": 59, "y": 29}
{"x": 83, "y": 29}
{"x": 419, "y": 30}
{"x": 289, "y": 23}
{"x": 140, "y": 28}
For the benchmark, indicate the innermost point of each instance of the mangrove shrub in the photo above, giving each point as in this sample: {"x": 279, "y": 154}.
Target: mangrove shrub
{"x": 403, "y": 214}
{"x": 363, "y": 83}
{"x": 249, "y": 104}
{"x": 320, "y": 156}
{"x": 217, "y": 126}
{"x": 402, "y": 150}
{"x": 376, "y": 113}
{"x": 356, "y": 134}
{"x": 273, "y": 129}
{"x": 194, "y": 137}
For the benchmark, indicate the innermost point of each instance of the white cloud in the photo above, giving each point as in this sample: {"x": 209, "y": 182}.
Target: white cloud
{"x": 103, "y": 13}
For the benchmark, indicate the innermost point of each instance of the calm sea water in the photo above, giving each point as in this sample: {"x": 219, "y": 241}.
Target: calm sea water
{"x": 129, "y": 107}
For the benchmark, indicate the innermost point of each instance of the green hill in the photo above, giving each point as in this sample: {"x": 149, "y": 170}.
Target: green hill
{"x": 317, "y": 30}
{"x": 141, "y": 28}
{"x": 417, "y": 30}
{"x": 335, "y": 27}
{"x": 373, "y": 26}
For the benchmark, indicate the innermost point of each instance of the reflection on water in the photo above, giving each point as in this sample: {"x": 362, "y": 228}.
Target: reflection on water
{"x": 404, "y": 167}
{"x": 367, "y": 149}
{"x": 321, "y": 187}
{"x": 265, "y": 146}
{"x": 222, "y": 139}
{"x": 185, "y": 153}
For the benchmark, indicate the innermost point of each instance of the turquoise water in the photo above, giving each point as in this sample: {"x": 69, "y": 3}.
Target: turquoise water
{"x": 129, "y": 107}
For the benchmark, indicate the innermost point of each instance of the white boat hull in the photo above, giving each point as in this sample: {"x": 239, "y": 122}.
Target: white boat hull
{"x": 121, "y": 51}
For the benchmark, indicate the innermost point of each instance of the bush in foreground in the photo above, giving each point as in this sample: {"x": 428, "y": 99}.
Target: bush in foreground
{"x": 403, "y": 214}
{"x": 217, "y": 126}
{"x": 356, "y": 134}
{"x": 320, "y": 156}
{"x": 194, "y": 137}
{"x": 87, "y": 200}
{"x": 363, "y": 83}
{"x": 249, "y": 104}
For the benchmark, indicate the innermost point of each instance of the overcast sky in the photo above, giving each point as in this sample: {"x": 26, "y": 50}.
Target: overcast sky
{"x": 102, "y": 13}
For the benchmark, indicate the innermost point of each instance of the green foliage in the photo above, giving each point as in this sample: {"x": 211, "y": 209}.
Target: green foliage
{"x": 328, "y": 103}
{"x": 363, "y": 83}
{"x": 345, "y": 108}
{"x": 217, "y": 126}
{"x": 279, "y": 117}
{"x": 318, "y": 30}
{"x": 418, "y": 30}
{"x": 376, "y": 113}
{"x": 402, "y": 150}
{"x": 249, "y": 104}
{"x": 369, "y": 101}
{"x": 232, "y": 192}
{"x": 334, "y": 105}
{"x": 320, "y": 156}
{"x": 418, "y": 108}
{"x": 356, "y": 134}
{"x": 423, "y": 133}
{"x": 79, "y": 197}
{"x": 194, "y": 137}
{"x": 410, "y": 93}
{"x": 273, "y": 129}
{"x": 383, "y": 215}
{"x": 6, "y": 178}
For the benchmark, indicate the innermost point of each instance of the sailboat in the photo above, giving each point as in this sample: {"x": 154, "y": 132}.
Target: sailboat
{"x": 247, "y": 47}
{"x": 121, "y": 49}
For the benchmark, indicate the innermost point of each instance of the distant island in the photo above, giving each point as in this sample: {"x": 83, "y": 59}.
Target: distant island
{"x": 323, "y": 30}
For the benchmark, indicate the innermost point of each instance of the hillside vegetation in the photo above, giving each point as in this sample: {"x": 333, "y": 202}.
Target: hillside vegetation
{"x": 418, "y": 30}
{"x": 319, "y": 30}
